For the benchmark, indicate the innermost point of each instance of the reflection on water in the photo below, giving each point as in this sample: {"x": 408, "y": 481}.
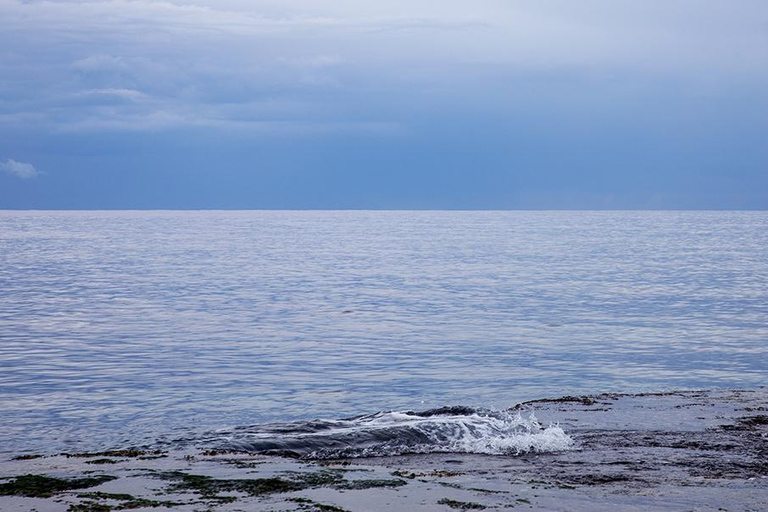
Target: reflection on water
{"x": 118, "y": 327}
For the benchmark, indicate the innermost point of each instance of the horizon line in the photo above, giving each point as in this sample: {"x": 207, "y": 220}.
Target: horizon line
{"x": 383, "y": 209}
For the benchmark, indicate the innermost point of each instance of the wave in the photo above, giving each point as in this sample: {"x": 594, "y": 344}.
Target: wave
{"x": 444, "y": 430}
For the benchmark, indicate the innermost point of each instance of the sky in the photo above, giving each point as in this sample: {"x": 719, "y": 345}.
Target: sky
{"x": 403, "y": 104}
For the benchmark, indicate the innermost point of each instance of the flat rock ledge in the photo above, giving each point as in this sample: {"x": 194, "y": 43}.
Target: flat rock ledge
{"x": 689, "y": 450}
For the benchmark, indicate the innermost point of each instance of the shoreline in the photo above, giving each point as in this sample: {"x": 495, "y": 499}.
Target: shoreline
{"x": 685, "y": 450}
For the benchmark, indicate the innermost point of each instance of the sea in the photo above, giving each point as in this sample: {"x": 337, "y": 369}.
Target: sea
{"x": 139, "y": 328}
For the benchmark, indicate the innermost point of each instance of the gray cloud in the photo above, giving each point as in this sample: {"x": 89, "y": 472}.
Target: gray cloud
{"x": 145, "y": 64}
{"x": 126, "y": 94}
{"x": 19, "y": 169}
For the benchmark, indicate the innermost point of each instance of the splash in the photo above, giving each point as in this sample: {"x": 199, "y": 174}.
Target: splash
{"x": 446, "y": 430}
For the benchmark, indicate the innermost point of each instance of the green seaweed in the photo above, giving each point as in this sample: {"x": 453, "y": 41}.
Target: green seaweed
{"x": 461, "y": 505}
{"x": 98, "y": 495}
{"x": 134, "y": 503}
{"x": 40, "y": 486}
{"x": 145, "y": 503}
{"x": 94, "y": 503}
{"x": 324, "y": 478}
{"x": 89, "y": 506}
{"x": 436, "y": 473}
{"x": 214, "y": 453}
{"x": 369, "y": 484}
{"x": 307, "y": 504}
{"x": 102, "y": 461}
{"x": 289, "y": 482}
{"x": 210, "y": 487}
{"x": 129, "y": 453}
{"x": 242, "y": 464}
{"x": 28, "y": 456}
{"x": 222, "y": 499}
{"x": 488, "y": 491}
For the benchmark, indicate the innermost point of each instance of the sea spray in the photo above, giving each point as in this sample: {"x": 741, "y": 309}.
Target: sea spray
{"x": 446, "y": 430}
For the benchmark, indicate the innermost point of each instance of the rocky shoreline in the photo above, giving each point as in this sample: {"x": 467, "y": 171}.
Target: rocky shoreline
{"x": 692, "y": 450}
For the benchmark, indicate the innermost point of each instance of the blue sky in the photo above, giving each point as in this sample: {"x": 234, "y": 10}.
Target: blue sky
{"x": 399, "y": 104}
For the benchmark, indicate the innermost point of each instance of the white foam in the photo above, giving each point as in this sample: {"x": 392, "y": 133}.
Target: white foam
{"x": 498, "y": 434}
{"x": 394, "y": 433}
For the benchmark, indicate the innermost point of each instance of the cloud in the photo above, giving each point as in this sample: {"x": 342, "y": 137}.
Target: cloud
{"x": 146, "y": 64}
{"x": 127, "y": 94}
{"x": 19, "y": 169}
{"x": 99, "y": 62}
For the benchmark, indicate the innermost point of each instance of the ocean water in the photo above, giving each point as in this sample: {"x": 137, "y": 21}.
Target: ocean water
{"x": 126, "y": 328}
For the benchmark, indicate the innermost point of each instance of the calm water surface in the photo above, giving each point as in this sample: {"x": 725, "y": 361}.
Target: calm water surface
{"x": 128, "y": 327}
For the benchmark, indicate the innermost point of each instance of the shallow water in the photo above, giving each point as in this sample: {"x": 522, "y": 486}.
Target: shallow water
{"x": 128, "y": 327}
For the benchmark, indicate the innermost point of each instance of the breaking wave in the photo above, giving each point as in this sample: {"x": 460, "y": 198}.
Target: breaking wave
{"x": 445, "y": 430}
